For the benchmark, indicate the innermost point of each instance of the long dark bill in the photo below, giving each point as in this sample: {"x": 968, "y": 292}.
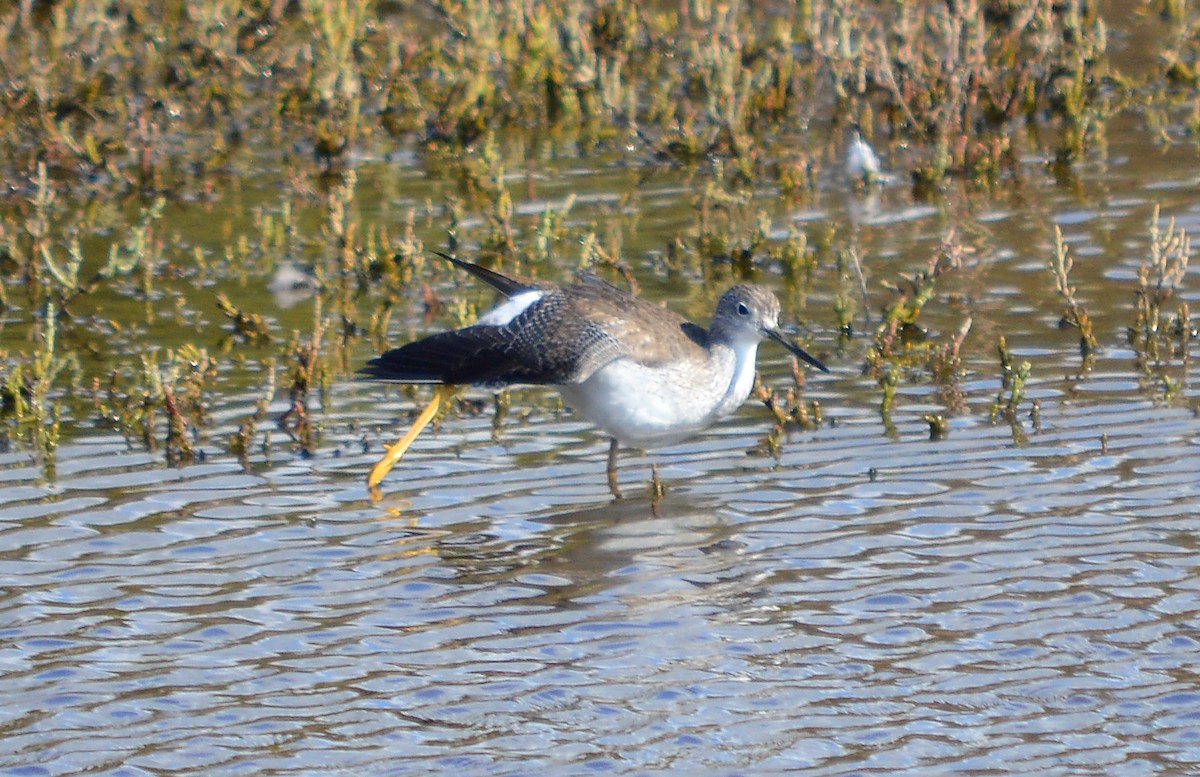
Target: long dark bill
{"x": 800, "y": 353}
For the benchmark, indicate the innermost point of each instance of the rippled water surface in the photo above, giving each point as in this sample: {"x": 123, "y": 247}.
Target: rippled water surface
{"x": 1013, "y": 598}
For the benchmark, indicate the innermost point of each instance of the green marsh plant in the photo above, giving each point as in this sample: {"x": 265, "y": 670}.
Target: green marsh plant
{"x": 1159, "y": 333}
{"x": 1075, "y": 316}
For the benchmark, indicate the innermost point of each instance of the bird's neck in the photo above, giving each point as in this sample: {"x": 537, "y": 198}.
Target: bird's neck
{"x": 735, "y": 359}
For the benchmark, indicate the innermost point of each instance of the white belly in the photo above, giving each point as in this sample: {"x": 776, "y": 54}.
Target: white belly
{"x": 648, "y": 407}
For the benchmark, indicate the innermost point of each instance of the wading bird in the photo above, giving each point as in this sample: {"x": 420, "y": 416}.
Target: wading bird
{"x": 645, "y": 375}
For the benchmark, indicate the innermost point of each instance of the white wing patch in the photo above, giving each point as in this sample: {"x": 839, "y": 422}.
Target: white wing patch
{"x": 511, "y": 308}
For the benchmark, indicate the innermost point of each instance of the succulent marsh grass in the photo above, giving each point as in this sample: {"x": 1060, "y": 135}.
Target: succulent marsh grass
{"x": 118, "y": 117}
{"x": 160, "y": 98}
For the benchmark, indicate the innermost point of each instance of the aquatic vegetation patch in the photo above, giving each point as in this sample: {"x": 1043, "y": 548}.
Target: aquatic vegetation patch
{"x": 122, "y": 125}
{"x": 161, "y": 97}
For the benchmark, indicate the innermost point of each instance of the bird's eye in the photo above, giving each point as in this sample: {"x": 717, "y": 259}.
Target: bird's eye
{"x": 742, "y": 309}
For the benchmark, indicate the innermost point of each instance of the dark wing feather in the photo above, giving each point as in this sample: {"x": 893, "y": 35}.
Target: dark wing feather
{"x": 525, "y": 350}
{"x": 501, "y": 283}
{"x": 564, "y": 337}
{"x": 479, "y": 355}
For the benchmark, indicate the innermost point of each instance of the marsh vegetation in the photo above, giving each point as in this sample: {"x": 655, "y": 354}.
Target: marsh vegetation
{"x": 969, "y": 549}
{"x": 167, "y": 166}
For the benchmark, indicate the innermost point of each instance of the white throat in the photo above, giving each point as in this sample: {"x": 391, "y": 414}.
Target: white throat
{"x": 741, "y": 382}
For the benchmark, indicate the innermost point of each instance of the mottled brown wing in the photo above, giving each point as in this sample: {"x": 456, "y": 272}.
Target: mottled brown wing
{"x": 564, "y": 337}
{"x": 629, "y": 327}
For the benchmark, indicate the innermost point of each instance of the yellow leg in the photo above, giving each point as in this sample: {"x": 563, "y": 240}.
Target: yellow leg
{"x": 612, "y": 469}
{"x": 441, "y": 397}
{"x": 658, "y": 489}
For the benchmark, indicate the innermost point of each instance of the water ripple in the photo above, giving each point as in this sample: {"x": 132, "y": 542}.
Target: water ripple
{"x": 865, "y": 604}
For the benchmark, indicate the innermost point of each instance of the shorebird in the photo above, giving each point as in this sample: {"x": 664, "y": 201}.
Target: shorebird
{"x": 862, "y": 163}
{"x": 640, "y": 372}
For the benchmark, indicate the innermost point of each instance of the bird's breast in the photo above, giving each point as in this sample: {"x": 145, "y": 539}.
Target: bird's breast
{"x": 651, "y": 406}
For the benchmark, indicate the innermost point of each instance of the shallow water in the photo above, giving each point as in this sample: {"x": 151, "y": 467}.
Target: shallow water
{"x": 1014, "y": 598}
{"x": 868, "y": 606}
